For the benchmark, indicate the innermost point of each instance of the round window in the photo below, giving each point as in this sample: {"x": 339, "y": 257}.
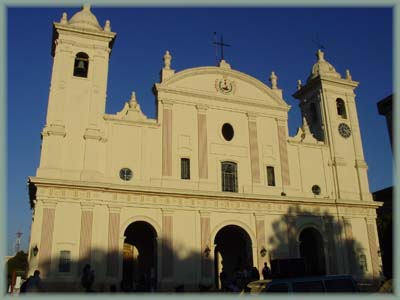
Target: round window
{"x": 316, "y": 190}
{"x": 125, "y": 174}
{"x": 227, "y": 131}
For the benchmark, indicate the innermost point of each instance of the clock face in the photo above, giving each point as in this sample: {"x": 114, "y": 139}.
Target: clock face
{"x": 344, "y": 130}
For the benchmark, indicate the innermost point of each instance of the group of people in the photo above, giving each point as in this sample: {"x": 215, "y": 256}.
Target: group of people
{"x": 235, "y": 283}
{"x": 241, "y": 277}
{"x": 34, "y": 283}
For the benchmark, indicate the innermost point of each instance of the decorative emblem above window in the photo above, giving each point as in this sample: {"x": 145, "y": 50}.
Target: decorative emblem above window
{"x": 344, "y": 130}
{"x": 126, "y": 174}
{"x": 225, "y": 86}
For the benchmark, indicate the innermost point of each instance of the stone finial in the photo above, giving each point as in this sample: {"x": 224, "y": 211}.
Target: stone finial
{"x": 86, "y": 6}
{"x": 320, "y": 55}
{"x": 167, "y": 60}
{"x": 107, "y": 26}
{"x": 305, "y": 127}
{"x": 64, "y": 19}
{"x": 348, "y": 75}
{"x": 299, "y": 84}
{"x": 132, "y": 101}
{"x": 224, "y": 65}
{"x": 274, "y": 80}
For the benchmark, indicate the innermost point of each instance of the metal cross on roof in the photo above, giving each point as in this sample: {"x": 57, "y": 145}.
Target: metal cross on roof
{"x": 221, "y": 44}
{"x": 318, "y": 43}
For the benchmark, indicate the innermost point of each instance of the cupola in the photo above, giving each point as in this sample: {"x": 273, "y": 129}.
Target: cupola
{"x": 322, "y": 67}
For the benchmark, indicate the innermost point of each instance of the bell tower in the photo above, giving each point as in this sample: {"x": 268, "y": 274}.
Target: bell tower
{"x": 74, "y": 122}
{"x": 327, "y": 102}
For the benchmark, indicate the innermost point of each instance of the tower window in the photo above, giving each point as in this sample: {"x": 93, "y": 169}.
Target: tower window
{"x": 81, "y": 65}
{"x": 65, "y": 261}
{"x": 313, "y": 112}
{"x": 341, "y": 108}
{"x": 270, "y": 176}
{"x": 229, "y": 176}
{"x": 185, "y": 168}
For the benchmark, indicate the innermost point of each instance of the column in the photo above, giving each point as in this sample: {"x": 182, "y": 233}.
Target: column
{"x": 291, "y": 234}
{"x": 253, "y": 141}
{"x": 85, "y": 241}
{"x": 202, "y": 141}
{"x": 167, "y": 139}
{"x": 205, "y": 243}
{"x": 373, "y": 246}
{"x": 331, "y": 245}
{"x": 349, "y": 242}
{"x": 46, "y": 237}
{"x": 282, "y": 136}
{"x": 167, "y": 244}
{"x": 113, "y": 256}
{"x": 260, "y": 235}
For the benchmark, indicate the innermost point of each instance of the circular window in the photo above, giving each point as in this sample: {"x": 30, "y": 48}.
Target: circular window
{"x": 227, "y": 131}
{"x": 316, "y": 190}
{"x": 125, "y": 174}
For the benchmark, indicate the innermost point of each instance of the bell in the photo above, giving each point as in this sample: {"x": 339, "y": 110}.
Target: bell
{"x": 81, "y": 66}
{"x": 80, "y": 69}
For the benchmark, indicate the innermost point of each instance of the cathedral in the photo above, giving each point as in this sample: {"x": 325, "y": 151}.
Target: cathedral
{"x": 213, "y": 183}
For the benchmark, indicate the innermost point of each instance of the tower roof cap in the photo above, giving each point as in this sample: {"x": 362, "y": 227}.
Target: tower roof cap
{"x": 322, "y": 67}
{"x": 85, "y": 19}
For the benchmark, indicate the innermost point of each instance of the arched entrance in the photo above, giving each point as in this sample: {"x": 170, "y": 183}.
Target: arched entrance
{"x": 233, "y": 251}
{"x": 312, "y": 250}
{"x": 139, "y": 269}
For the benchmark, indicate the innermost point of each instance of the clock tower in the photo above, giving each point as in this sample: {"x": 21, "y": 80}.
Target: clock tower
{"x": 327, "y": 102}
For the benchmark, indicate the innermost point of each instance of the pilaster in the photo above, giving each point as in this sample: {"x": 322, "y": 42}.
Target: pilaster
{"x": 113, "y": 239}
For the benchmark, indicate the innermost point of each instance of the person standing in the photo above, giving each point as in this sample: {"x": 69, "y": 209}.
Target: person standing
{"x": 34, "y": 283}
{"x": 255, "y": 275}
{"x": 87, "y": 278}
{"x": 266, "y": 271}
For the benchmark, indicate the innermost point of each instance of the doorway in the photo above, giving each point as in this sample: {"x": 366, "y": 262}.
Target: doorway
{"x": 312, "y": 250}
{"x": 233, "y": 252}
{"x": 139, "y": 257}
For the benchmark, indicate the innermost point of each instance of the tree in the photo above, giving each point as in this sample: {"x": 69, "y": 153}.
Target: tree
{"x": 19, "y": 264}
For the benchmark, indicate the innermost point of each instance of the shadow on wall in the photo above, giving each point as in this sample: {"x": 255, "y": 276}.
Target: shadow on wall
{"x": 140, "y": 272}
{"x": 327, "y": 244}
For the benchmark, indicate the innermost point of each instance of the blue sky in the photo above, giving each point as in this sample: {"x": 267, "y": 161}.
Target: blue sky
{"x": 262, "y": 39}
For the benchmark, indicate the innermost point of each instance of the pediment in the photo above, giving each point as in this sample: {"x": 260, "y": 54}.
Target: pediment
{"x": 217, "y": 82}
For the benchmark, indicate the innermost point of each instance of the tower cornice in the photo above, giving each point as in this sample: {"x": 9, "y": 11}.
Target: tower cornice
{"x": 320, "y": 80}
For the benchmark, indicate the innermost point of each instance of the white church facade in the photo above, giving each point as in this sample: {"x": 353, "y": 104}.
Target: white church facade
{"x": 214, "y": 181}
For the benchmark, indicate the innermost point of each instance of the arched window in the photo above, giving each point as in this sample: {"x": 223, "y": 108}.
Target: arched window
{"x": 81, "y": 65}
{"x": 229, "y": 176}
{"x": 341, "y": 108}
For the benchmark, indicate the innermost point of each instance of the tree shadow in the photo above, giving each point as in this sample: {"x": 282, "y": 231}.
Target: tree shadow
{"x": 340, "y": 251}
{"x": 177, "y": 268}
{"x": 110, "y": 269}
